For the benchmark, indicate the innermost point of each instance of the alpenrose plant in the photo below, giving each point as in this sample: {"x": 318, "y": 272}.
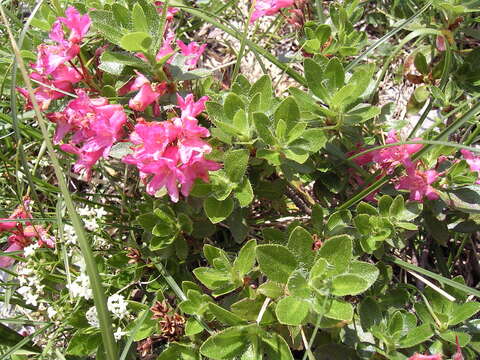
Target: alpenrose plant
{"x": 232, "y": 222}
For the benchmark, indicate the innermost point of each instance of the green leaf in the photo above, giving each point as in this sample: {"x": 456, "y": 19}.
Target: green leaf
{"x": 463, "y": 312}
{"x": 176, "y": 351}
{"x": 225, "y": 316}
{"x": 262, "y": 125}
{"x": 276, "y": 262}
{"x": 139, "y": 21}
{"x": 366, "y": 271}
{"x": 289, "y": 112}
{"x": 233, "y": 103}
{"x": 337, "y": 251}
{"x": 316, "y": 138}
{"x": 313, "y": 74}
{"x": 276, "y": 347}
{"x": 115, "y": 62}
{"x": 340, "y": 310}
{"x": 334, "y": 74}
{"x": 216, "y": 210}
{"x": 466, "y": 199}
{"x": 300, "y": 244}
{"x": 416, "y": 336}
{"x": 420, "y": 63}
{"x": 292, "y": 310}
{"x": 122, "y": 15}
{"x": 160, "y": 242}
{"x": 136, "y": 41}
{"x": 229, "y": 343}
{"x": 398, "y": 205}
{"x": 348, "y": 284}
{"x": 298, "y": 285}
{"x": 84, "y": 342}
{"x": 263, "y": 86}
{"x": 370, "y": 313}
{"x": 451, "y": 337}
{"x": 193, "y": 327}
{"x": 244, "y": 193}
{"x": 104, "y": 22}
{"x": 235, "y": 164}
{"x": 211, "y": 278}
{"x": 246, "y": 258}
{"x": 271, "y": 289}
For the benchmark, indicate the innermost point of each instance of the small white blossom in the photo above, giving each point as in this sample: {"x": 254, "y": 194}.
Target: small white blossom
{"x": 51, "y": 312}
{"x": 91, "y": 224}
{"x": 30, "y": 250}
{"x": 29, "y": 295}
{"x": 92, "y": 317}
{"x": 119, "y": 334}
{"x": 81, "y": 287}
{"x": 117, "y": 305}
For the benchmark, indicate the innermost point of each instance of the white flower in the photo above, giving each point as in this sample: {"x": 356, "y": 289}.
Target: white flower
{"x": 30, "y": 250}
{"x": 51, "y": 312}
{"x": 91, "y": 224}
{"x": 117, "y": 305}
{"x": 92, "y": 317}
{"x": 81, "y": 287}
{"x": 100, "y": 212}
{"x": 119, "y": 334}
{"x": 28, "y": 294}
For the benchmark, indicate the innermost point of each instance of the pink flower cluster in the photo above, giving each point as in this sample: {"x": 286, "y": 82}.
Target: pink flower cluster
{"x": 472, "y": 161}
{"x": 52, "y": 70}
{"x": 167, "y": 153}
{"x": 425, "y": 357}
{"x": 96, "y": 125}
{"x": 269, "y": 7}
{"x": 22, "y": 232}
{"x": 417, "y": 181}
{"x": 170, "y": 153}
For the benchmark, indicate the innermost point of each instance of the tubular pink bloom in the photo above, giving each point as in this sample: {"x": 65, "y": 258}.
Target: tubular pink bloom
{"x": 190, "y": 107}
{"x": 269, "y": 7}
{"x": 148, "y": 93}
{"x": 96, "y": 126}
{"x": 22, "y": 233}
{"x": 188, "y": 147}
{"x": 425, "y": 357}
{"x": 6, "y": 261}
{"x": 152, "y": 138}
{"x": 56, "y": 33}
{"x": 198, "y": 167}
{"x": 166, "y": 48}
{"x": 193, "y": 51}
{"x": 52, "y": 56}
{"x": 472, "y": 161}
{"x": 171, "y": 11}
{"x": 77, "y": 23}
{"x": 418, "y": 183}
{"x": 389, "y": 158}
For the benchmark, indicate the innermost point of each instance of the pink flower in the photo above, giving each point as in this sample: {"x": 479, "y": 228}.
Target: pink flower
{"x": 22, "y": 233}
{"x": 425, "y": 357}
{"x": 472, "y": 161}
{"x": 95, "y": 124}
{"x": 166, "y": 48}
{"x": 269, "y": 7}
{"x": 78, "y": 24}
{"x": 193, "y": 51}
{"x": 191, "y": 108}
{"x": 196, "y": 168}
{"x": 148, "y": 93}
{"x": 419, "y": 184}
{"x": 171, "y": 11}
{"x": 389, "y": 158}
{"x": 171, "y": 153}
